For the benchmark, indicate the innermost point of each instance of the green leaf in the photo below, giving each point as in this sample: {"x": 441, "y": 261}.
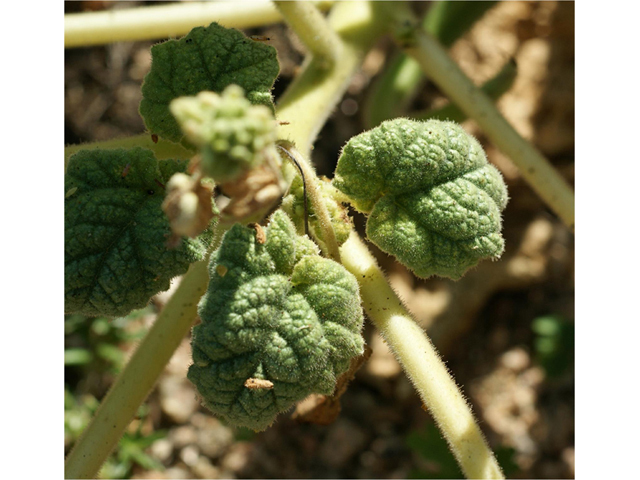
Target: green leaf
{"x": 433, "y": 200}
{"x": 208, "y": 58}
{"x": 274, "y": 311}
{"x": 116, "y": 257}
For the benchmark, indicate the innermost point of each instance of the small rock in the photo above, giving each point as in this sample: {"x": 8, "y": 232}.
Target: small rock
{"x": 213, "y": 437}
{"x": 382, "y": 363}
{"x": 189, "y": 455}
{"x": 177, "y": 398}
{"x": 237, "y": 457}
{"x": 162, "y": 449}
{"x": 569, "y": 460}
{"x": 180, "y": 360}
{"x": 183, "y": 436}
{"x": 177, "y": 473}
{"x": 150, "y": 475}
{"x": 204, "y": 469}
{"x": 516, "y": 359}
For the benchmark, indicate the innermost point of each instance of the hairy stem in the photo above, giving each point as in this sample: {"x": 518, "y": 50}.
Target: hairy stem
{"x": 421, "y": 363}
{"x": 314, "y": 93}
{"x": 162, "y": 21}
{"x": 163, "y": 149}
{"x": 140, "y": 374}
{"x": 313, "y": 30}
{"x": 317, "y": 201}
{"x": 534, "y": 167}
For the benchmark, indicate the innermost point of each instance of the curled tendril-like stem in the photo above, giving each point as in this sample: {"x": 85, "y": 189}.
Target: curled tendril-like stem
{"x": 304, "y": 186}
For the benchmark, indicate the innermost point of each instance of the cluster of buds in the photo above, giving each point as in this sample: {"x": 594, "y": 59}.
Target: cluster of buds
{"x": 232, "y": 134}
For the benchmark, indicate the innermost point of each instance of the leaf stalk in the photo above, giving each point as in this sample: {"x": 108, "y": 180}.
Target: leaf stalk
{"x": 312, "y": 189}
{"x": 314, "y": 93}
{"x": 313, "y": 30}
{"x": 398, "y": 84}
{"x": 421, "y": 362}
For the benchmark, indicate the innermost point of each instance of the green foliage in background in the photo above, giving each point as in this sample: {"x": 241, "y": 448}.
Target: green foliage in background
{"x": 94, "y": 344}
{"x": 131, "y": 451}
{"x": 94, "y": 352}
{"x": 554, "y": 344}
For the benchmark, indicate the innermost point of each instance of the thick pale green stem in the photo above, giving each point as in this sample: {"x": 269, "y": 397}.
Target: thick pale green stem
{"x": 313, "y": 30}
{"x": 163, "y": 149}
{"x": 393, "y": 90}
{"x": 162, "y": 21}
{"x": 421, "y": 363}
{"x": 139, "y": 375}
{"x": 534, "y": 167}
{"x": 314, "y": 93}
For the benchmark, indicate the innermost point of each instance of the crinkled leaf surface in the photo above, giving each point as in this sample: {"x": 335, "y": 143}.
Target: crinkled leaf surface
{"x": 274, "y": 311}
{"x": 433, "y": 200}
{"x": 210, "y": 59}
{"x": 116, "y": 256}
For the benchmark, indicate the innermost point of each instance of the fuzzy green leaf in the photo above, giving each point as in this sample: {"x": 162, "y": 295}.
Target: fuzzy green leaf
{"x": 275, "y": 311}
{"x": 116, "y": 256}
{"x": 433, "y": 200}
{"x": 210, "y": 59}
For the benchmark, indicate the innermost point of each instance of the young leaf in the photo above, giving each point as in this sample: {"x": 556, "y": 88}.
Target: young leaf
{"x": 293, "y": 204}
{"x": 116, "y": 256}
{"x": 433, "y": 200}
{"x": 279, "y": 322}
{"x": 208, "y": 58}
